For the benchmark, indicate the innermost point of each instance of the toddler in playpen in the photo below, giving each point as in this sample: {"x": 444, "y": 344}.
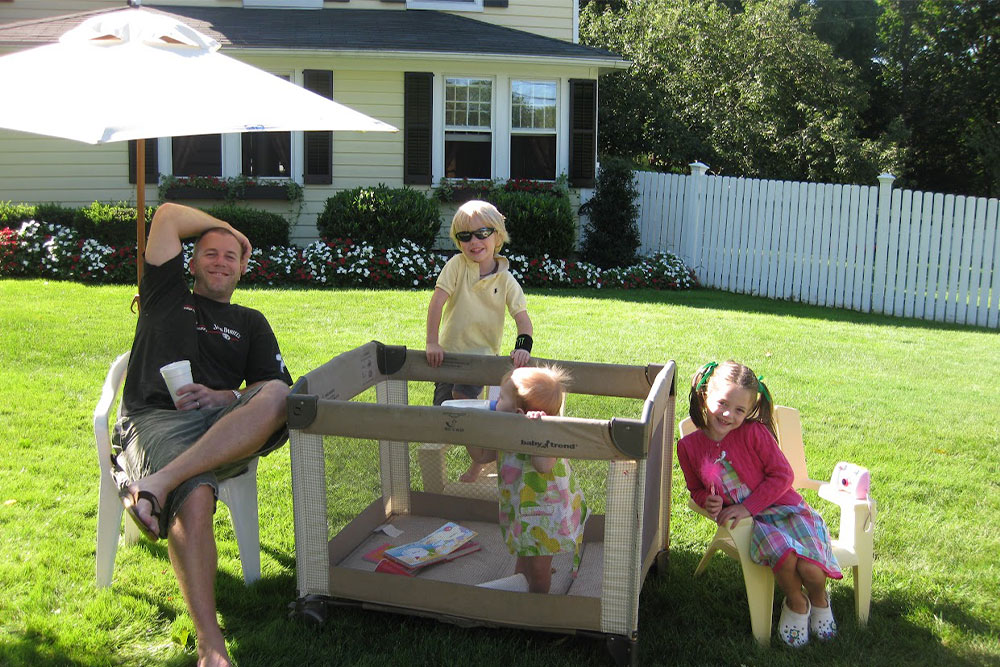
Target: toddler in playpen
{"x": 466, "y": 311}
{"x": 542, "y": 509}
{"x": 734, "y": 470}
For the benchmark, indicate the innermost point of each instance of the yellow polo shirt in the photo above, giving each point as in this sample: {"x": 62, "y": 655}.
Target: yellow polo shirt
{"x": 472, "y": 321}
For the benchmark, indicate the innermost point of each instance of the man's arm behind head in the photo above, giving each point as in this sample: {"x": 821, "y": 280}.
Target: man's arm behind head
{"x": 173, "y": 223}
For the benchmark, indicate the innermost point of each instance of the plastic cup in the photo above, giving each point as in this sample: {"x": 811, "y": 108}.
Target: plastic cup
{"x": 176, "y": 375}
{"x": 467, "y": 403}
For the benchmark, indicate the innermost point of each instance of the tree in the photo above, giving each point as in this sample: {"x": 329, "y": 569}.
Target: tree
{"x": 612, "y": 233}
{"x": 750, "y": 92}
{"x": 940, "y": 65}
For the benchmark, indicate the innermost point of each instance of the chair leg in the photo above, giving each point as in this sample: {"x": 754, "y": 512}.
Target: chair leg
{"x": 759, "y": 583}
{"x": 240, "y": 495}
{"x": 703, "y": 563}
{"x": 109, "y": 521}
{"x": 862, "y": 591}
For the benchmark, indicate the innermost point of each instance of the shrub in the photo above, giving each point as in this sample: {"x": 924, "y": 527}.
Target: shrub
{"x": 539, "y": 224}
{"x": 12, "y": 215}
{"x": 264, "y": 229}
{"x": 381, "y": 216}
{"x": 112, "y": 224}
{"x": 612, "y": 235}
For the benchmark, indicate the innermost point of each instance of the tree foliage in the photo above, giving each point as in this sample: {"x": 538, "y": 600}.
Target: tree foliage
{"x": 750, "y": 92}
{"x": 806, "y": 89}
{"x": 940, "y": 70}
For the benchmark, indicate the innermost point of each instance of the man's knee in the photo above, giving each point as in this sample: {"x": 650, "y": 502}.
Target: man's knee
{"x": 198, "y": 507}
{"x": 272, "y": 397}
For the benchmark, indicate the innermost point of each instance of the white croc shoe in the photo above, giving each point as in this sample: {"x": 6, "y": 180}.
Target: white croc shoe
{"x": 794, "y": 628}
{"x": 821, "y": 622}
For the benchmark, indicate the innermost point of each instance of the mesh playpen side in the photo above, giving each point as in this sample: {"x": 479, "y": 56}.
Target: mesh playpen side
{"x": 415, "y": 493}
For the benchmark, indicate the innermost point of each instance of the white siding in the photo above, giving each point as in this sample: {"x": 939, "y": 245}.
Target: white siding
{"x": 38, "y": 169}
{"x": 26, "y": 10}
{"x": 549, "y": 18}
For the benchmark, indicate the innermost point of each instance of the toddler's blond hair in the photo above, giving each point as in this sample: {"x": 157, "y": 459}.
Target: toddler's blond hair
{"x": 475, "y": 214}
{"x": 539, "y": 388}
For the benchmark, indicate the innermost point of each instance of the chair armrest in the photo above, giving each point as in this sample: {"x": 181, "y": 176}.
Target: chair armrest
{"x": 845, "y": 501}
{"x": 745, "y": 521}
{"x": 813, "y": 484}
{"x": 699, "y": 509}
{"x": 857, "y": 518}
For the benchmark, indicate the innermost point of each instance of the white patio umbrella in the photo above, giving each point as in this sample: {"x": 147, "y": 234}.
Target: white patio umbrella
{"x": 137, "y": 74}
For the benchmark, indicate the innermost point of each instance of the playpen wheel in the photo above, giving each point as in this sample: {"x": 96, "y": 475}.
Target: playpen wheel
{"x": 662, "y": 563}
{"x": 623, "y": 650}
{"x": 311, "y": 610}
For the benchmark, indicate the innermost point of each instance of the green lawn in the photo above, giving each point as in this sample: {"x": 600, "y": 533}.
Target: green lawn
{"x": 915, "y": 402}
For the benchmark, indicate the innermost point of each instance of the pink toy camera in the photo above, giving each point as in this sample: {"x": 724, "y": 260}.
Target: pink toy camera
{"x": 851, "y": 479}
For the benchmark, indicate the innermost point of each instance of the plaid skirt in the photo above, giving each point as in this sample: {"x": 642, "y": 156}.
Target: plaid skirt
{"x": 781, "y": 530}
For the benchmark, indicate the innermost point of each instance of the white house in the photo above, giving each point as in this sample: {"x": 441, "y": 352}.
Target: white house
{"x": 479, "y": 88}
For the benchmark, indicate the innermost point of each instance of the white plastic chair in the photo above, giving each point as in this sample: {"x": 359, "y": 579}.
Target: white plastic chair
{"x": 238, "y": 493}
{"x": 854, "y": 547}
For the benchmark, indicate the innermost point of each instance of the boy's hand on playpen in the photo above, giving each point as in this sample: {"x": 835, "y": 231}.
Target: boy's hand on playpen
{"x": 535, "y": 414}
{"x": 520, "y": 357}
{"x": 435, "y": 355}
{"x": 713, "y": 504}
{"x": 733, "y": 513}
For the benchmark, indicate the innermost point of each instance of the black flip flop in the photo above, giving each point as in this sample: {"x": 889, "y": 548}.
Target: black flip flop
{"x": 134, "y": 513}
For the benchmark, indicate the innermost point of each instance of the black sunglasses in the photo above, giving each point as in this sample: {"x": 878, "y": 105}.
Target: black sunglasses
{"x": 481, "y": 233}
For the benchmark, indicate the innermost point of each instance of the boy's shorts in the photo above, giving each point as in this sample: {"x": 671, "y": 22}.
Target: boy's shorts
{"x": 146, "y": 441}
{"x": 445, "y": 391}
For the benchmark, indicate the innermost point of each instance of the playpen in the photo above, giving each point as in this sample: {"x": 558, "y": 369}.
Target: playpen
{"x": 351, "y": 426}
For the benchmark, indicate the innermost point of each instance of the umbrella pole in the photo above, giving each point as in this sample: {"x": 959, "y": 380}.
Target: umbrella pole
{"x": 140, "y": 205}
{"x": 140, "y": 215}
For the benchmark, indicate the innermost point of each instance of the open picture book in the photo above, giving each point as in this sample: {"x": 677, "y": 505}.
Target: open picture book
{"x": 450, "y": 539}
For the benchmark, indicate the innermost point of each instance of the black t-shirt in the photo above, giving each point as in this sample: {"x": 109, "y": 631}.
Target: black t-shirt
{"x": 227, "y": 344}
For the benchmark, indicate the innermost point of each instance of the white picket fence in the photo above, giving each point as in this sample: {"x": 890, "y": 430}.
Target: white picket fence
{"x": 867, "y": 248}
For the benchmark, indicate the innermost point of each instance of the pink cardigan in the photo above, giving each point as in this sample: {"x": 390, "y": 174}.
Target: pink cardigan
{"x": 752, "y": 452}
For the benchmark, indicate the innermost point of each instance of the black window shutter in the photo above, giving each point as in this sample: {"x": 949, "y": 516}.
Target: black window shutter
{"x": 152, "y": 164}
{"x": 417, "y": 115}
{"x": 318, "y": 145}
{"x": 582, "y": 132}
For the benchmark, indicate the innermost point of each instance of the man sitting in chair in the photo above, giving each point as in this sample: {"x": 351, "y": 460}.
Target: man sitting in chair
{"x": 173, "y": 455}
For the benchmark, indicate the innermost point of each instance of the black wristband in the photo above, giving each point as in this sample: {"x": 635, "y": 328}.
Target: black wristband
{"x": 523, "y": 342}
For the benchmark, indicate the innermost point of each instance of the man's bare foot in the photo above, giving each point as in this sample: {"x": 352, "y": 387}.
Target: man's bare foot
{"x": 472, "y": 474}
{"x": 212, "y": 657}
{"x": 145, "y": 506}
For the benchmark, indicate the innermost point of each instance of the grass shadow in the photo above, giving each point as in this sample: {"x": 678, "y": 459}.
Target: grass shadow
{"x": 712, "y": 299}
{"x": 706, "y": 620}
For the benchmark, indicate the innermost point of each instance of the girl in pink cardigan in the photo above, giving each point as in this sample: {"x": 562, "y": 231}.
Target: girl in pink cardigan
{"x": 734, "y": 469}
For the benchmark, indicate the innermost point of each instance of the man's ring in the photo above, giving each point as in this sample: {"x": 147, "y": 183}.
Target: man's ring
{"x": 197, "y": 402}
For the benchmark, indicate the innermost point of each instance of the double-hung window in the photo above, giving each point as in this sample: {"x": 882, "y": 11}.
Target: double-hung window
{"x": 533, "y": 129}
{"x": 262, "y": 154}
{"x": 468, "y": 127}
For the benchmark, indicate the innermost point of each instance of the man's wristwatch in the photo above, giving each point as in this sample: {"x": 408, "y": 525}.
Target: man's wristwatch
{"x": 237, "y": 394}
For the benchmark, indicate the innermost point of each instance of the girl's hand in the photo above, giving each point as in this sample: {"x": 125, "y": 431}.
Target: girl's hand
{"x": 435, "y": 355}
{"x": 713, "y": 504}
{"x": 535, "y": 414}
{"x": 732, "y": 513}
{"x": 520, "y": 357}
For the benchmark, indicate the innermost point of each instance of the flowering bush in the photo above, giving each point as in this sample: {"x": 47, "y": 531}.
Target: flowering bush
{"x": 51, "y": 251}
{"x": 230, "y": 188}
{"x": 39, "y": 249}
{"x": 485, "y": 188}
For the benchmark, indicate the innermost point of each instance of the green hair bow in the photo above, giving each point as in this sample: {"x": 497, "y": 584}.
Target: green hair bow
{"x": 762, "y": 388}
{"x": 706, "y": 372}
